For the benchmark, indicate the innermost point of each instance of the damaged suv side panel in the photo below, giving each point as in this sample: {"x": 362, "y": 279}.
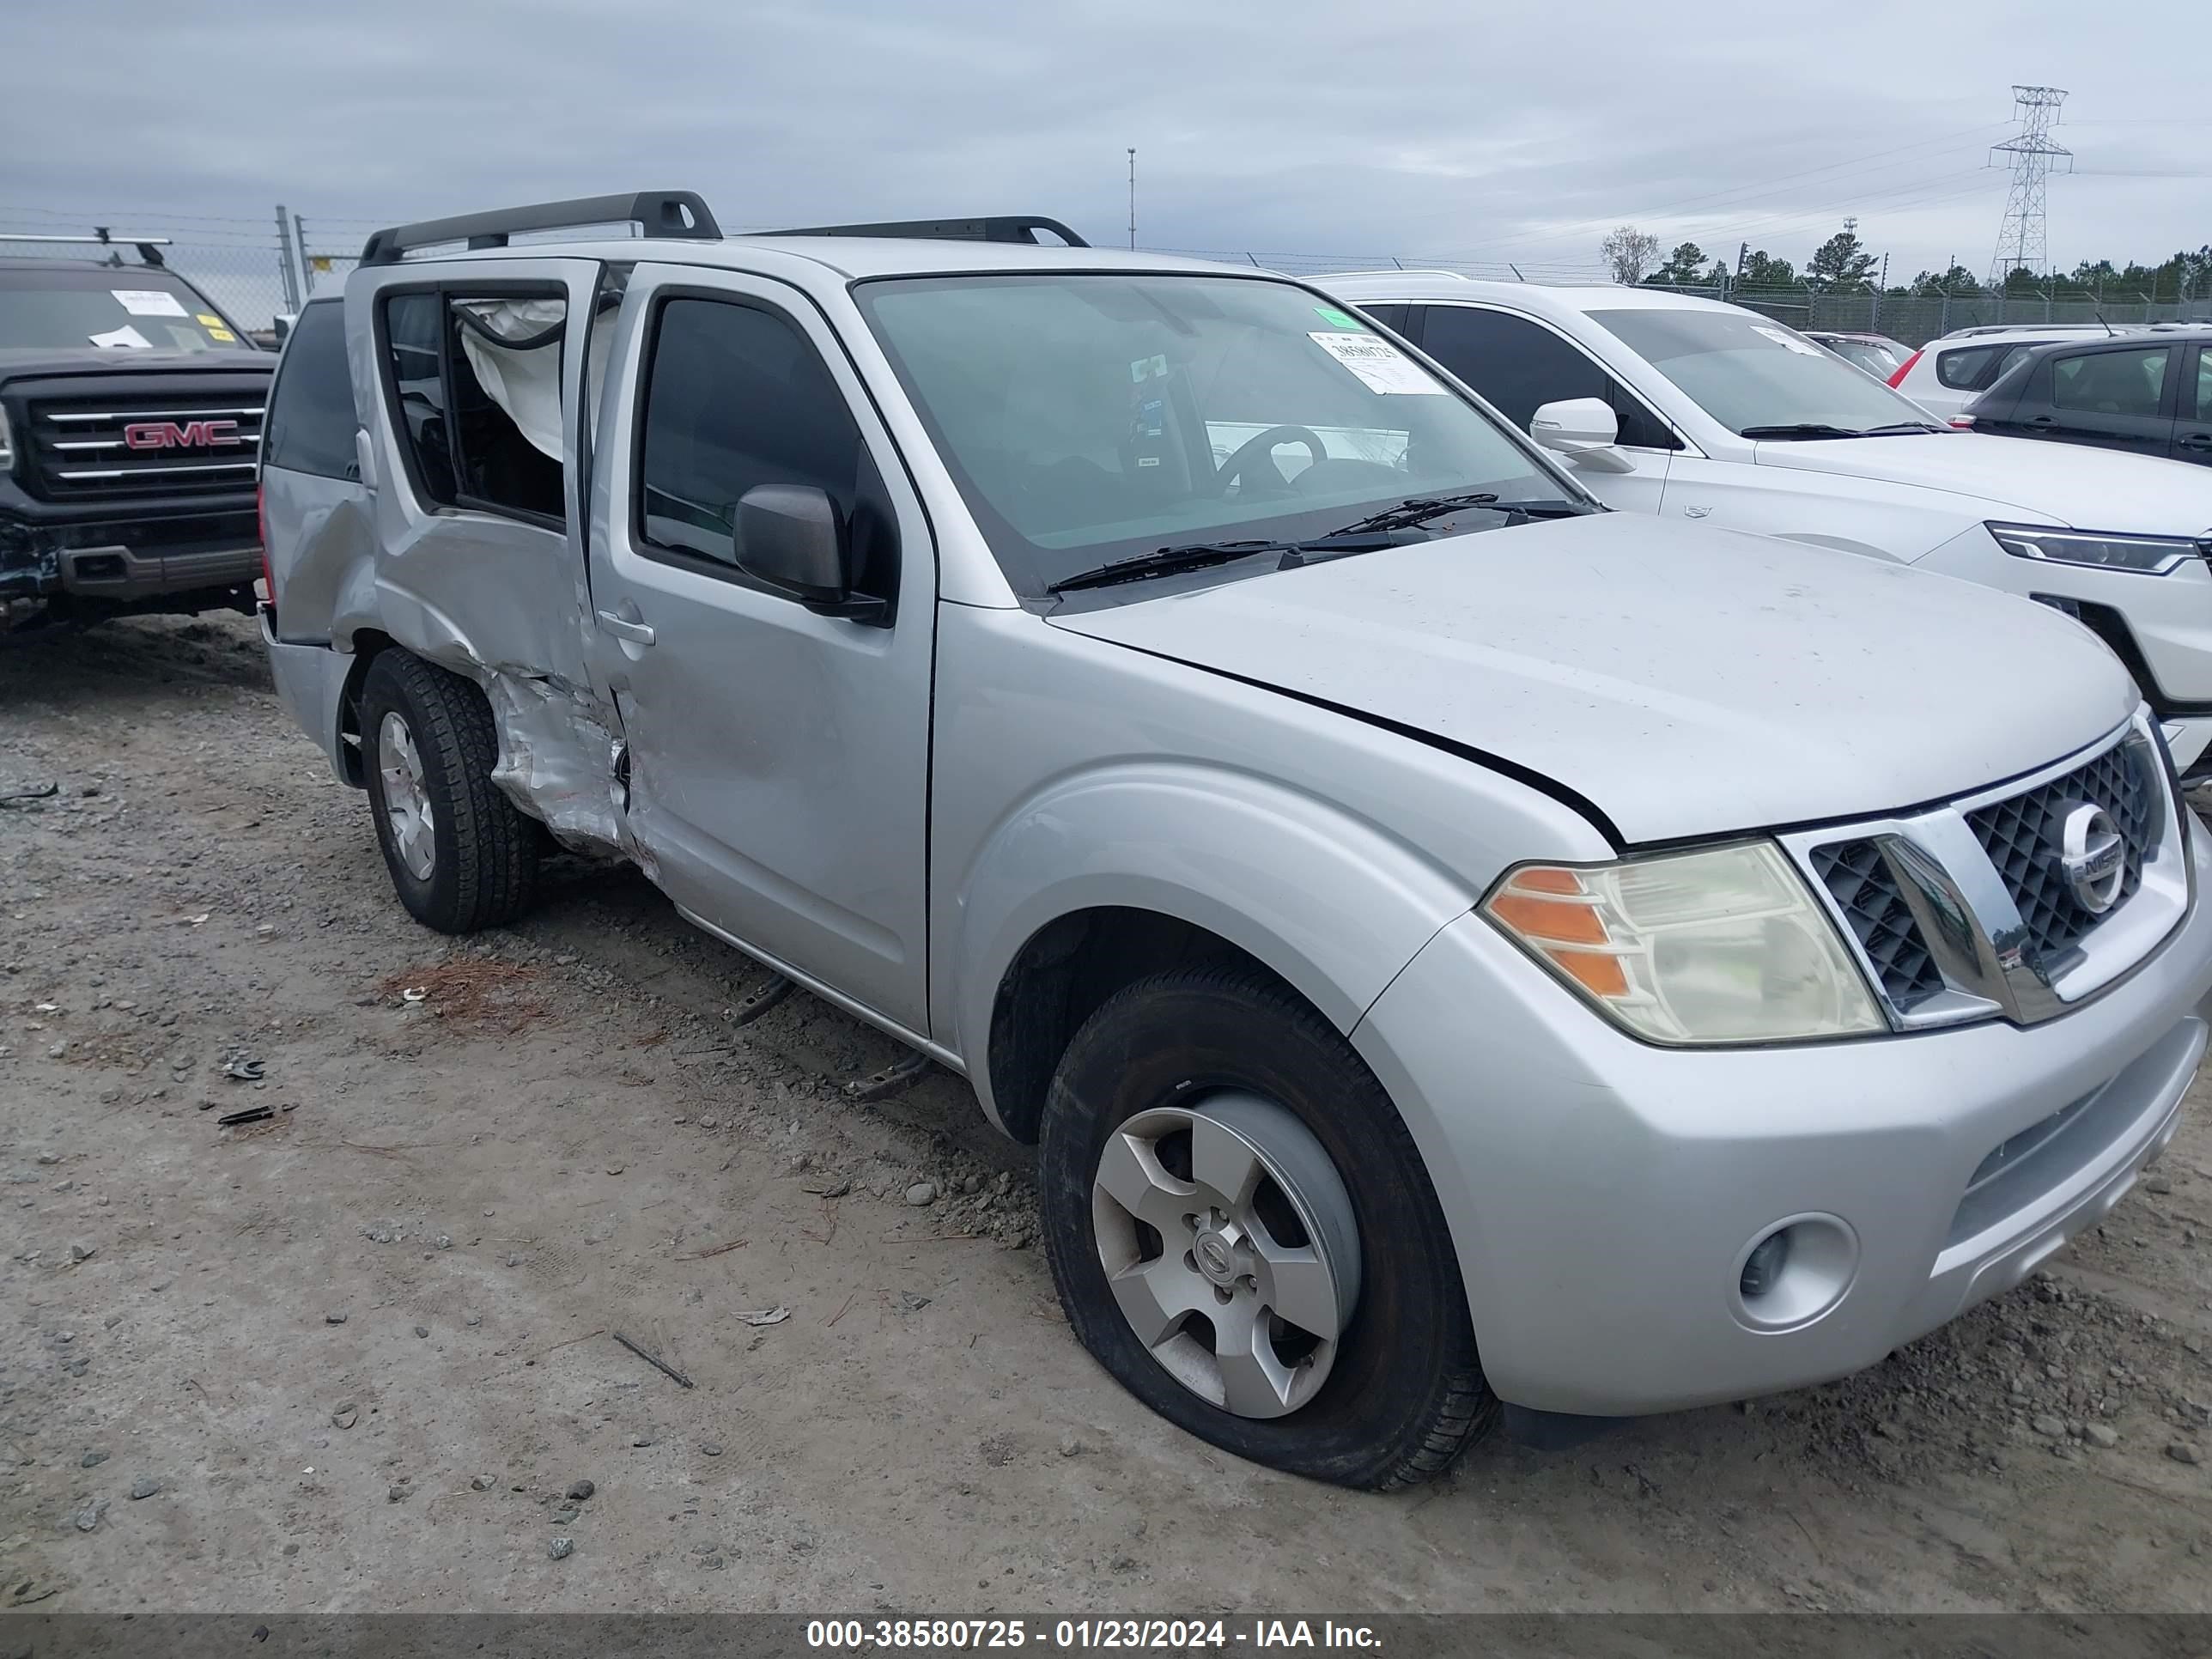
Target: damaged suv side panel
{"x": 483, "y": 580}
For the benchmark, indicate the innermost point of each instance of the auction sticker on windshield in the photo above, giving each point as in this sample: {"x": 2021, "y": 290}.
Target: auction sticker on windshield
{"x": 149, "y": 302}
{"x": 1380, "y": 366}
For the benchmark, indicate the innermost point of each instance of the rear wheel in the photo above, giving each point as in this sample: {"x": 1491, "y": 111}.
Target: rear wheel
{"x": 1243, "y": 1233}
{"x": 461, "y": 856}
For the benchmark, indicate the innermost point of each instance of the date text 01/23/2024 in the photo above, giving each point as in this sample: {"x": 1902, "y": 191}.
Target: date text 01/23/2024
{"x": 1160, "y": 1635}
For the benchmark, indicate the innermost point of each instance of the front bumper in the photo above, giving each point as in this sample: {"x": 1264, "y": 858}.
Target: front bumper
{"x": 125, "y": 558}
{"x": 2160, "y": 626}
{"x": 1603, "y": 1193}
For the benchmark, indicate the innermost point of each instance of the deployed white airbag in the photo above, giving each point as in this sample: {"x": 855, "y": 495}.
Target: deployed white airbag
{"x": 522, "y": 372}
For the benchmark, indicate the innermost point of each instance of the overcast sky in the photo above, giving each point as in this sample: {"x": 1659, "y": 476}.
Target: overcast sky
{"x": 1433, "y": 130}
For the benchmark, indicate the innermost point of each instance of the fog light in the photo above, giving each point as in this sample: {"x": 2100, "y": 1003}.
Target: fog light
{"x": 1795, "y": 1271}
{"x": 1762, "y": 1268}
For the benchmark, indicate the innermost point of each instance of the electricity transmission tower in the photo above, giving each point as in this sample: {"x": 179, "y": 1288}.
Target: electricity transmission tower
{"x": 2021, "y": 240}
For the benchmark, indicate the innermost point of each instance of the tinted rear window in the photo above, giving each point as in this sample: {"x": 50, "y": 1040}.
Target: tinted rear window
{"x": 311, "y": 415}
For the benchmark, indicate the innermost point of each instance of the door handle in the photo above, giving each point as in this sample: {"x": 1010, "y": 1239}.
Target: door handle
{"x": 623, "y": 628}
{"x": 2196, "y": 441}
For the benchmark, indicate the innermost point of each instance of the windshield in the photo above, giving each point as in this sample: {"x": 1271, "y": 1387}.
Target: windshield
{"x": 1091, "y": 418}
{"x": 127, "y": 308}
{"x": 1747, "y": 372}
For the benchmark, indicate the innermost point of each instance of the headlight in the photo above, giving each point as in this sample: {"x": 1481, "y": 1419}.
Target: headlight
{"x": 1726, "y": 945}
{"x": 2153, "y": 556}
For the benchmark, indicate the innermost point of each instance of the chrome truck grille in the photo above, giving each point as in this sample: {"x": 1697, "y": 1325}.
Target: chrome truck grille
{"x": 182, "y": 444}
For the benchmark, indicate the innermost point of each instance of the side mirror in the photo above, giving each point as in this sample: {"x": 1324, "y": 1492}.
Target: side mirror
{"x": 792, "y": 538}
{"x": 1584, "y": 430}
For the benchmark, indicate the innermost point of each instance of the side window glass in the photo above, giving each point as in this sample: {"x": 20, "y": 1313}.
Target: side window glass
{"x": 478, "y": 383}
{"x": 735, "y": 396}
{"x": 311, "y": 414}
{"x": 1961, "y": 370}
{"x": 2128, "y": 383}
{"x": 1391, "y": 317}
{"x": 2005, "y": 363}
{"x": 1519, "y": 366}
{"x": 413, "y": 333}
{"x": 2204, "y": 383}
{"x": 504, "y": 355}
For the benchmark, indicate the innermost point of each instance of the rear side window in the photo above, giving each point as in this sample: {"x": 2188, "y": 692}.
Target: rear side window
{"x": 1519, "y": 366}
{"x": 413, "y": 343}
{"x": 2204, "y": 383}
{"x": 476, "y": 379}
{"x": 311, "y": 414}
{"x": 736, "y": 397}
{"x": 1962, "y": 370}
{"x": 2132, "y": 383}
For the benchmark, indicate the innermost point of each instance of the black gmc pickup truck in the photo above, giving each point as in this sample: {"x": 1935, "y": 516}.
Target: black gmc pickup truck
{"x": 131, "y": 412}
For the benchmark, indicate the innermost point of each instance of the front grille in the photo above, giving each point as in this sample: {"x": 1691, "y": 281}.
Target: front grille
{"x": 186, "y": 443}
{"x": 2021, "y": 835}
{"x": 1858, "y": 878}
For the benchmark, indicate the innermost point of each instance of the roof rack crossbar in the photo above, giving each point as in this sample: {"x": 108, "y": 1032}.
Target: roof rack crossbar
{"x": 150, "y": 247}
{"x": 658, "y": 214}
{"x": 997, "y": 227}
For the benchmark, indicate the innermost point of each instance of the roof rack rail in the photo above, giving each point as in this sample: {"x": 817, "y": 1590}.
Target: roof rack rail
{"x": 150, "y": 247}
{"x": 1000, "y": 227}
{"x": 657, "y": 214}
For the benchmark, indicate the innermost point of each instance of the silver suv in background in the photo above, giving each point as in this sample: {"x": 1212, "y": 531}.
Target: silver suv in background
{"x": 1457, "y": 948}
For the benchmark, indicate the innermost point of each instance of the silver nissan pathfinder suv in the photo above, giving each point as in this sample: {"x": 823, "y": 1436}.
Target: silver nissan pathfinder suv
{"x": 1458, "y": 952}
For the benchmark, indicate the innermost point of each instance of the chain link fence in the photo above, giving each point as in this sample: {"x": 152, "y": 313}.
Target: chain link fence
{"x": 1918, "y": 319}
{"x": 263, "y": 267}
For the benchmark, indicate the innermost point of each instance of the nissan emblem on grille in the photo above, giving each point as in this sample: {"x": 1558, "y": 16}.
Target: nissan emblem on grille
{"x": 2091, "y": 855}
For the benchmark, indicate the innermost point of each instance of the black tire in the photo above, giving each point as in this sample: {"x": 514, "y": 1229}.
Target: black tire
{"x": 484, "y": 868}
{"x": 1406, "y": 1392}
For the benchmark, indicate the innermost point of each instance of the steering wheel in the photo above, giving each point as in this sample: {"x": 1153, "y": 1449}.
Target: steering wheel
{"x": 1261, "y": 447}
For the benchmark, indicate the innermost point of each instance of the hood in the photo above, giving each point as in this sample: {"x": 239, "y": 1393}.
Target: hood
{"x": 20, "y": 362}
{"x": 2075, "y": 486}
{"x": 1688, "y": 681}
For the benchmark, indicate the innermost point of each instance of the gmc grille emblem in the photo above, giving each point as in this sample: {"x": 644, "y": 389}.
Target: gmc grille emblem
{"x": 193, "y": 435}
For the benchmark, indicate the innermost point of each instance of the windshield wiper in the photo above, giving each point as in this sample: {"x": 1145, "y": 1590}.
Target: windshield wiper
{"x": 1556, "y": 507}
{"x": 1801, "y": 429}
{"x": 1171, "y": 561}
{"x": 1164, "y": 561}
{"x": 1412, "y": 514}
{"x": 1378, "y": 530}
{"x": 1899, "y": 428}
{"x": 1417, "y": 511}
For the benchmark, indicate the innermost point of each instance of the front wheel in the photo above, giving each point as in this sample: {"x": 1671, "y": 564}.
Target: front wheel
{"x": 1243, "y": 1234}
{"x": 461, "y": 857}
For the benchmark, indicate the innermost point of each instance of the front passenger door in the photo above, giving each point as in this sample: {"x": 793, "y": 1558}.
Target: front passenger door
{"x": 778, "y": 758}
{"x": 1518, "y": 365}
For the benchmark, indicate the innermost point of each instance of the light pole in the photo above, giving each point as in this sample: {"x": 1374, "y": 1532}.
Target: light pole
{"x": 1132, "y": 196}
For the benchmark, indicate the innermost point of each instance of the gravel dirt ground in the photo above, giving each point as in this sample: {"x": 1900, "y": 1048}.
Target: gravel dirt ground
{"x": 357, "y": 1355}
